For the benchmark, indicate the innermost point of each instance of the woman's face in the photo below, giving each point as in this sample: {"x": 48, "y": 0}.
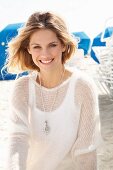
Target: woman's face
{"x": 46, "y": 49}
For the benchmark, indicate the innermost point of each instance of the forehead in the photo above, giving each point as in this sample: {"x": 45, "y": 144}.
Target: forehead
{"x": 43, "y": 35}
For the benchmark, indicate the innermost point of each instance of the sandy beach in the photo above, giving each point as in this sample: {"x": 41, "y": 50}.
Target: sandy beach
{"x": 104, "y": 153}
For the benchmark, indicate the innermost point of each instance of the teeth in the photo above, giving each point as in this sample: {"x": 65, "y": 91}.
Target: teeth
{"x": 46, "y": 62}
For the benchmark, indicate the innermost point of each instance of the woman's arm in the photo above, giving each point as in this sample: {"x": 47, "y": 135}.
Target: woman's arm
{"x": 89, "y": 135}
{"x": 87, "y": 161}
{"x": 18, "y": 128}
{"x": 18, "y": 150}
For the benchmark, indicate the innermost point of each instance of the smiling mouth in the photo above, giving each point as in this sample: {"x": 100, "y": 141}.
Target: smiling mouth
{"x": 46, "y": 61}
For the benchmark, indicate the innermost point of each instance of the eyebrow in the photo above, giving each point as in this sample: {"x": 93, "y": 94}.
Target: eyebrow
{"x": 54, "y": 42}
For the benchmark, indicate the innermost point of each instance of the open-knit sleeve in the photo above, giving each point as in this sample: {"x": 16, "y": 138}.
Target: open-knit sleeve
{"x": 18, "y": 126}
{"x": 89, "y": 132}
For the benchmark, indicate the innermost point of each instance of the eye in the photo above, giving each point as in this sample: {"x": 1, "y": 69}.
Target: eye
{"x": 53, "y": 45}
{"x": 37, "y": 47}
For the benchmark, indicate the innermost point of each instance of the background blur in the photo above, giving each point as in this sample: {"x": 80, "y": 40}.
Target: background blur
{"x": 80, "y": 15}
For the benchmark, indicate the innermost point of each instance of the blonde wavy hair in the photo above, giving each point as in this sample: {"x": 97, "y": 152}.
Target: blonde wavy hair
{"x": 19, "y": 60}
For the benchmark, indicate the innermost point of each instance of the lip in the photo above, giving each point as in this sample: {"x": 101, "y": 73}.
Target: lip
{"x": 46, "y": 61}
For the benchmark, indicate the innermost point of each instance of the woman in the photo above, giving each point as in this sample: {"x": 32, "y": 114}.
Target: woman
{"x": 54, "y": 112}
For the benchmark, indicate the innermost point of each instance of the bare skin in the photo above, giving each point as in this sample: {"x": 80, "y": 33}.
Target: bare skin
{"x": 46, "y": 51}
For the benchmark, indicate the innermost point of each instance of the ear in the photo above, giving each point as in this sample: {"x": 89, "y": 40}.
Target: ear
{"x": 63, "y": 48}
{"x": 29, "y": 51}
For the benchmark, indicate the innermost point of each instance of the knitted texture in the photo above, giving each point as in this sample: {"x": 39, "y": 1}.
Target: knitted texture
{"x": 82, "y": 145}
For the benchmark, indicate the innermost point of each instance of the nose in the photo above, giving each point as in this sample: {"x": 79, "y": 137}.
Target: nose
{"x": 44, "y": 53}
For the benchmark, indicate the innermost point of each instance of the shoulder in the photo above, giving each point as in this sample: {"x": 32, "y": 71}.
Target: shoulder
{"x": 22, "y": 81}
{"x": 20, "y": 84}
{"x": 85, "y": 85}
{"x": 19, "y": 90}
{"x": 84, "y": 80}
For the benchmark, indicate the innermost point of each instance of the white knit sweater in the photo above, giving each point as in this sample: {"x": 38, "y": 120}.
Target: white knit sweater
{"x": 74, "y": 125}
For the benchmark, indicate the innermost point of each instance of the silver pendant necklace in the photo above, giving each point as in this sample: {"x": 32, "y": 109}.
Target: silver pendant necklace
{"x": 46, "y": 125}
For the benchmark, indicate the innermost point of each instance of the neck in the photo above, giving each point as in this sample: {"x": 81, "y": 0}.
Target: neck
{"x": 51, "y": 79}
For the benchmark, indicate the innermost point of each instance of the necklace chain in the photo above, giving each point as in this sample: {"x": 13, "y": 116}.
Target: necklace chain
{"x": 46, "y": 126}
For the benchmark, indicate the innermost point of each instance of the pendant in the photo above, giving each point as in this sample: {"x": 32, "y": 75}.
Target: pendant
{"x": 46, "y": 127}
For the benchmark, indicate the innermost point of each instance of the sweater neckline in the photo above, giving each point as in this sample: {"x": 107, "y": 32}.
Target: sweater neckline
{"x": 69, "y": 80}
{"x": 34, "y": 76}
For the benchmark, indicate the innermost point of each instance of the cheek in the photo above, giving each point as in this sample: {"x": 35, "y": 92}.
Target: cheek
{"x": 35, "y": 61}
{"x": 57, "y": 52}
{"x": 35, "y": 55}
{"x": 34, "y": 58}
